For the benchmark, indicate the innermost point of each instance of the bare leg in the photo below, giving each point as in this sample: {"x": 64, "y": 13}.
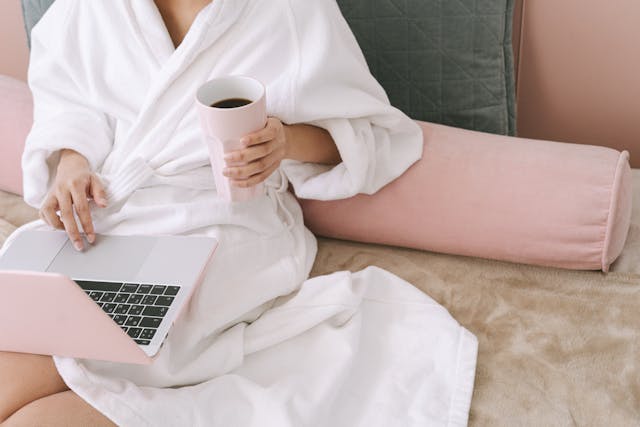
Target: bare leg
{"x": 65, "y": 409}
{"x": 25, "y": 378}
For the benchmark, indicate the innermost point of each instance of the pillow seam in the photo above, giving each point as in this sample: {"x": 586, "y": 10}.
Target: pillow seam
{"x": 613, "y": 208}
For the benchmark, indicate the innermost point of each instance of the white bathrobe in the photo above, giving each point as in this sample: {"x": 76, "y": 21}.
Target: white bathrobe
{"x": 258, "y": 345}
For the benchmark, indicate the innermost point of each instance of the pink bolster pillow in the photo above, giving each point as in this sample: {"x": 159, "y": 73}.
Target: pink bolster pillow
{"x": 489, "y": 196}
{"x": 16, "y": 116}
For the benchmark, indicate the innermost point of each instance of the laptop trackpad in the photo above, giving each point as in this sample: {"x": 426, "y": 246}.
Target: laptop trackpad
{"x": 117, "y": 258}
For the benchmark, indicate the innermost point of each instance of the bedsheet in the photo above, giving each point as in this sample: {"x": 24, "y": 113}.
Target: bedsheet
{"x": 557, "y": 347}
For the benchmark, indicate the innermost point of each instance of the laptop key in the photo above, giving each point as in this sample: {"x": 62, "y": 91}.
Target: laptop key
{"x": 148, "y": 334}
{"x": 134, "y": 332}
{"x": 144, "y": 289}
{"x": 135, "y": 298}
{"x": 149, "y": 299}
{"x": 158, "y": 311}
{"x": 99, "y": 286}
{"x": 109, "y": 307}
{"x": 136, "y": 310}
{"x": 95, "y": 295}
{"x": 120, "y": 319}
{"x": 166, "y": 301}
{"x": 121, "y": 298}
{"x": 108, "y": 297}
{"x": 150, "y": 322}
{"x": 172, "y": 290}
{"x": 100, "y": 304}
{"x": 129, "y": 288}
{"x": 143, "y": 342}
{"x": 122, "y": 309}
{"x": 133, "y": 321}
{"x": 124, "y": 328}
{"x": 158, "y": 289}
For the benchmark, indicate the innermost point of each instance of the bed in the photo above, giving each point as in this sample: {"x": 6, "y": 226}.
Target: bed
{"x": 556, "y": 347}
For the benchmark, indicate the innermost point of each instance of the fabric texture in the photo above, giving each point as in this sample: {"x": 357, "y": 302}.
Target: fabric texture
{"x": 447, "y": 62}
{"x": 442, "y": 61}
{"x": 554, "y": 337}
{"x": 16, "y": 117}
{"x": 491, "y": 196}
{"x": 258, "y": 341}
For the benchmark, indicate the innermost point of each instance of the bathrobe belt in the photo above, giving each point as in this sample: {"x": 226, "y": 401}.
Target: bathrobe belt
{"x": 137, "y": 172}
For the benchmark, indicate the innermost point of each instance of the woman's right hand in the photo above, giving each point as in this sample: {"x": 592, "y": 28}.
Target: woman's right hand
{"x": 74, "y": 184}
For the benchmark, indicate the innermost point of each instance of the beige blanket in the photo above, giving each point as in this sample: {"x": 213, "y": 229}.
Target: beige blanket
{"x": 556, "y": 347}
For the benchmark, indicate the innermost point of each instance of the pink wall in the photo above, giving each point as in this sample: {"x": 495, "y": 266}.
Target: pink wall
{"x": 14, "y": 55}
{"x": 579, "y": 73}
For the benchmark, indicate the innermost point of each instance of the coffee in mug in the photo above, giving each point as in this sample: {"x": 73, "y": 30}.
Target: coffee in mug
{"x": 231, "y": 103}
{"x": 229, "y": 109}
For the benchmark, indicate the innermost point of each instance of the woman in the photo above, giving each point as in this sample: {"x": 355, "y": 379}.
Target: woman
{"x": 116, "y": 140}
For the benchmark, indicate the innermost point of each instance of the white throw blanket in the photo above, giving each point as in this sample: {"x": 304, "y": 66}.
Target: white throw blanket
{"x": 258, "y": 344}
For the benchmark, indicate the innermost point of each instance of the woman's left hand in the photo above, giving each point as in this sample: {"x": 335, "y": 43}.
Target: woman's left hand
{"x": 262, "y": 153}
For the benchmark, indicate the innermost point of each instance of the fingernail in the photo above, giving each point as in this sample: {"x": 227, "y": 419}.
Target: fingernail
{"x": 91, "y": 238}
{"x": 225, "y": 171}
{"x": 102, "y": 201}
{"x": 78, "y": 245}
{"x": 245, "y": 141}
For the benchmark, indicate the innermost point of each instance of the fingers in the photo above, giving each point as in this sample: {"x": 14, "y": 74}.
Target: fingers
{"x": 263, "y": 148}
{"x": 73, "y": 186}
{"x": 81, "y": 206}
{"x": 255, "y": 179}
{"x": 97, "y": 191}
{"x": 247, "y": 171}
{"x": 250, "y": 154}
{"x": 66, "y": 215}
{"x": 269, "y": 132}
{"x": 48, "y": 212}
{"x": 69, "y": 198}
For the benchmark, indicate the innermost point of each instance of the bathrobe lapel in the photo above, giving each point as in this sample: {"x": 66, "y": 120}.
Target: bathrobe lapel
{"x": 150, "y": 30}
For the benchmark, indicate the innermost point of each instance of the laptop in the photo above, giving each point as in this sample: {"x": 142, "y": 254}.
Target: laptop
{"x": 114, "y": 301}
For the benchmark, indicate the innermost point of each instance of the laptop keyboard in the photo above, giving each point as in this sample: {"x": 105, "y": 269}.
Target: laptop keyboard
{"x": 138, "y": 308}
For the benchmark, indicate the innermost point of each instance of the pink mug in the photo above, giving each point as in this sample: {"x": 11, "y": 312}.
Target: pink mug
{"x": 225, "y": 123}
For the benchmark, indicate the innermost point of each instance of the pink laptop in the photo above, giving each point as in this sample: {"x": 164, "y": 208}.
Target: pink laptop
{"x": 114, "y": 301}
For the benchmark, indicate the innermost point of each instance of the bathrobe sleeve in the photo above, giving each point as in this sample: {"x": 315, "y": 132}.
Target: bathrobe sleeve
{"x": 65, "y": 116}
{"x": 334, "y": 89}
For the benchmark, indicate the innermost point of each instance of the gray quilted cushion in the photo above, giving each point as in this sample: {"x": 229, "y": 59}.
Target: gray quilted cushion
{"x": 444, "y": 61}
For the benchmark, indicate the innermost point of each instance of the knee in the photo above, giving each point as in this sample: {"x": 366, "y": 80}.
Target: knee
{"x": 6, "y": 411}
{"x": 9, "y": 403}
{"x": 12, "y": 422}
{"x": 23, "y": 417}
{"x": 6, "y": 408}
{"x": 25, "y": 378}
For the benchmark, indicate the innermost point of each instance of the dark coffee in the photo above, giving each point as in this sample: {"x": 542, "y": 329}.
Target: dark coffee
{"x": 231, "y": 103}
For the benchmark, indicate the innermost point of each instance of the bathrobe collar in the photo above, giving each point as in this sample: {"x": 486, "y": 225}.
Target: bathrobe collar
{"x": 209, "y": 25}
{"x": 151, "y": 30}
